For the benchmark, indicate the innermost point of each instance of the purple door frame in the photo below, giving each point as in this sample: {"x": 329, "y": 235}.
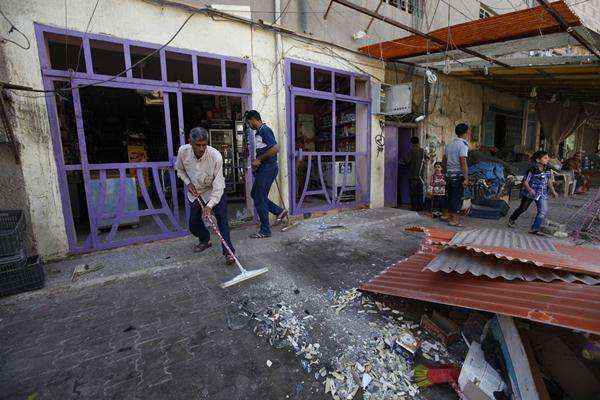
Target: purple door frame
{"x": 390, "y": 192}
{"x": 96, "y": 210}
{"x": 362, "y": 159}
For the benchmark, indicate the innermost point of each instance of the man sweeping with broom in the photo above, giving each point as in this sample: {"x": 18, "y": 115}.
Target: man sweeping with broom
{"x": 200, "y": 167}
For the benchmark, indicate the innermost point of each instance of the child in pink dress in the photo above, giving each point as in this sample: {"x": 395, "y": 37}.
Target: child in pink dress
{"x": 438, "y": 189}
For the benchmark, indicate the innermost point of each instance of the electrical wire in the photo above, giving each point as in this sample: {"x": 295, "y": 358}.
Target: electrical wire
{"x": 12, "y": 29}
{"x": 282, "y": 11}
{"x": 87, "y": 28}
{"x": 112, "y": 78}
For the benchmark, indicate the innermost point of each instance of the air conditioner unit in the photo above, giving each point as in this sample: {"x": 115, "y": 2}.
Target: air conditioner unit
{"x": 391, "y": 99}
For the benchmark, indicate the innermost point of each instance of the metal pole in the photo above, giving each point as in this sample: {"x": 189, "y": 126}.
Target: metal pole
{"x": 400, "y": 25}
{"x": 569, "y": 29}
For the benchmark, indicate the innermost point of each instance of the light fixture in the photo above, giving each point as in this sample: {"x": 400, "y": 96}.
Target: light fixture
{"x": 533, "y": 91}
{"x": 431, "y": 76}
{"x": 359, "y": 35}
{"x": 420, "y": 118}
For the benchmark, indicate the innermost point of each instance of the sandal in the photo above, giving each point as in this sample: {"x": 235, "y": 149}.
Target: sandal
{"x": 456, "y": 224}
{"x": 229, "y": 260}
{"x": 280, "y": 218}
{"x": 259, "y": 236}
{"x": 200, "y": 247}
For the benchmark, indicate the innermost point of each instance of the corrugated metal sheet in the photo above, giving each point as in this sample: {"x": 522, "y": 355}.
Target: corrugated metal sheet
{"x": 570, "y": 305}
{"x": 512, "y": 239}
{"x": 575, "y": 259}
{"x": 515, "y": 25}
{"x": 453, "y": 260}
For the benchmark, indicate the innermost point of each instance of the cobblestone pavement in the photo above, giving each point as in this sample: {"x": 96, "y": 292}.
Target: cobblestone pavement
{"x": 151, "y": 323}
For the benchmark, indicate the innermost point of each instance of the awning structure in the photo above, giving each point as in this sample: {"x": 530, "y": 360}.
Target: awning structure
{"x": 579, "y": 81}
{"x": 531, "y": 22}
{"x": 571, "y": 305}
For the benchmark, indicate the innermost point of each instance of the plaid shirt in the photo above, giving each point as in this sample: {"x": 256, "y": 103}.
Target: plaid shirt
{"x": 538, "y": 181}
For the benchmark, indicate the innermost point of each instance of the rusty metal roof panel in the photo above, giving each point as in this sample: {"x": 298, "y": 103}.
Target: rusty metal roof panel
{"x": 570, "y": 305}
{"x": 575, "y": 259}
{"x": 453, "y": 260}
{"x": 512, "y": 239}
{"x": 530, "y": 22}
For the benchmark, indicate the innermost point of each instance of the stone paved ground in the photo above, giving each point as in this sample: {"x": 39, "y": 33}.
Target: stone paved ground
{"x": 152, "y": 323}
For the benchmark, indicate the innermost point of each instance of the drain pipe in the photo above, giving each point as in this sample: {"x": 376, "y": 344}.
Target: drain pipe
{"x": 302, "y": 20}
{"x": 278, "y": 89}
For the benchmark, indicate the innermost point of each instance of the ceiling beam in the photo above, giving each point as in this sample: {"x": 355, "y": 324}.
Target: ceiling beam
{"x": 569, "y": 29}
{"x": 400, "y": 25}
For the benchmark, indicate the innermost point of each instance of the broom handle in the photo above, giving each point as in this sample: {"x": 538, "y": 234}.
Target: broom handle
{"x": 218, "y": 233}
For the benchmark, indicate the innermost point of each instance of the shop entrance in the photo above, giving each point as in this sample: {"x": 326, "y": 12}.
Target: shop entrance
{"x": 330, "y": 139}
{"x": 116, "y": 138}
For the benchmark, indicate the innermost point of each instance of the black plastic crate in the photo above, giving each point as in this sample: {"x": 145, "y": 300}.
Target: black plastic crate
{"x": 16, "y": 262}
{"x": 12, "y": 227}
{"x": 29, "y": 277}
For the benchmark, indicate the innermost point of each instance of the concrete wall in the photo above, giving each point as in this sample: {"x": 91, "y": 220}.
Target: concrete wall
{"x": 453, "y": 101}
{"x": 144, "y": 21}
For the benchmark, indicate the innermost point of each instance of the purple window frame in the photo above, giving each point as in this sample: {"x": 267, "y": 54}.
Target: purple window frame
{"x": 49, "y": 76}
{"x": 291, "y": 93}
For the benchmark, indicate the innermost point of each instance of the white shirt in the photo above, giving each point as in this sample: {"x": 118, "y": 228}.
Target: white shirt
{"x": 454, "y": 151}
{"x": 206, "y": 173}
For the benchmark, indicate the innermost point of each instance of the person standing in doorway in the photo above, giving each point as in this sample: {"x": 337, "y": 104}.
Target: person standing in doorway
{"x": 457, "y": 172}
{"x": 414, "y": 161}
{"x": 200, "y": 167}
{"x": 265, "y": 172}
{"x": 535, "y": 185}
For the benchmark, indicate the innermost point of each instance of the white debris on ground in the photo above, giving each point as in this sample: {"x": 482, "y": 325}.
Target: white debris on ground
{"x": 379, "y": 365}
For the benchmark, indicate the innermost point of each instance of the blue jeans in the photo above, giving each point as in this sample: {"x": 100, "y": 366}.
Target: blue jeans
{"x": 263, "y": 179}
{"x": 542, "y": 211}
{"x": 454, "y": 193}
{"x": 198, "y": 229}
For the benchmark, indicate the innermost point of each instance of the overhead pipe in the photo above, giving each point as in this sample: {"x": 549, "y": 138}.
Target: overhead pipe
{"x": 414, "y": 31}
{"x": 567, "y": 28}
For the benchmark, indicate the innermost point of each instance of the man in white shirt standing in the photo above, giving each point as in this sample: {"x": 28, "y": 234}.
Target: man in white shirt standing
{"x": 200, "y": 167}
{"x": 457, "y": 172}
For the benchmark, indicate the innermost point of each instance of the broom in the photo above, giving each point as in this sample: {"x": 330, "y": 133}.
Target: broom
{"x": 244, "y": 274}
{"x": 425, "y": 376}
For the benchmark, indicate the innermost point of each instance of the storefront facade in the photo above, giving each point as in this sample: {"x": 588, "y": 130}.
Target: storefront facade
{"x": 242, "y": 65}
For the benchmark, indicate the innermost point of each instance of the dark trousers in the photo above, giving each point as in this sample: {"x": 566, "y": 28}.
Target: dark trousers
{"x": 437, "y": 203}
{"x": 198, "y": 229}
{"x": 454, "y": 193}
{"x": 415, "y": 186}
{"x": 263, "y": 179}
{"x": 542, "y": 211}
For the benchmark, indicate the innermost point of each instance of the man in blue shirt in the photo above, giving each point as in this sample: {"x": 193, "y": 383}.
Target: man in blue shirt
{"x": 265, "y": 172}
{"x": 457, "y": 171}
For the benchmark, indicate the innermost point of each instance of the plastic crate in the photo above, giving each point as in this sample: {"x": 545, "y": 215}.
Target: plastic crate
{"x": 16, "y": 262}
{"x": 29, "y": 277}
{"x": 12, "y": 226}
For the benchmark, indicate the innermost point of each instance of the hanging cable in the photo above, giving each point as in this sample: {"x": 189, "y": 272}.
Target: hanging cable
{"x": 12, "y": 29}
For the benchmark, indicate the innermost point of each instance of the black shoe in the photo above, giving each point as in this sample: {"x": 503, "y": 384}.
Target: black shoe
{"x": 200, "y": 247}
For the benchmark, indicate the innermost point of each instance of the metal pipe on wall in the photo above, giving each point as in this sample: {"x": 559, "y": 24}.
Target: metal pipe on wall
{"x": 302, "y": 16}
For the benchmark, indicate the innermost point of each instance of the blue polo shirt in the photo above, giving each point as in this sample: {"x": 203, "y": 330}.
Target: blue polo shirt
{"x": 264, "y": 139}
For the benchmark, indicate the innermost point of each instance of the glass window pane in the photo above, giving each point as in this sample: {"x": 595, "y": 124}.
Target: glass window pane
{"x": 179, "y": 67}
{"x": 300, "y": 76}
{"x": 342, "y": 84}
{"x": 65, "y": 52}
{"x": 322, "y": 80}
{"x": 107, "y": 58}
{"x": 150, "y": 68}
{"x": 235, "y": 74}
{"x": 209, "y": 71}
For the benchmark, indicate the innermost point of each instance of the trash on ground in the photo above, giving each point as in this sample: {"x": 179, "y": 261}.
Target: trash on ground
{"x": 84, "y": 269}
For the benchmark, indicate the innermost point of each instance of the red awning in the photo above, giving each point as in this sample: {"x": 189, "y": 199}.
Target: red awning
{"x": 500, "y": 28}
